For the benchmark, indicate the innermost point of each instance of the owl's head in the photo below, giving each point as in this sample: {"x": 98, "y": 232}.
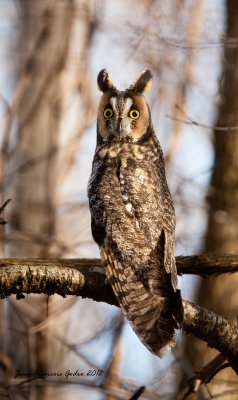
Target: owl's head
{"x": 123, "y": 115}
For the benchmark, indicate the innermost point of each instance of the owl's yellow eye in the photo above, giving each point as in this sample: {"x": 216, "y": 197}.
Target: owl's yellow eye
{"x": 134, "y": 114}
{"x": 108, "y": 113}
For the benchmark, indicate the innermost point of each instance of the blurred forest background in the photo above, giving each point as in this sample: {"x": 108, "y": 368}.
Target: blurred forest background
{"x": 51, "y": 52}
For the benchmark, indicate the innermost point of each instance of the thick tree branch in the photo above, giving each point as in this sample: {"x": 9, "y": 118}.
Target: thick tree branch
{"x": 79, "y": 277}
{"x": 86, "y": 278}
{"x": 202, "y": 264}
{"x": 213, "y": 329}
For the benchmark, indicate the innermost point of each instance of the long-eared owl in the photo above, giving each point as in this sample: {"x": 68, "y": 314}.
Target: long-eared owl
{"x": 133, "y": 218}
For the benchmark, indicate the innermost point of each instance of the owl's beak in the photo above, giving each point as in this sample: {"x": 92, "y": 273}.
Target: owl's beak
{"x": 119, "y": 126}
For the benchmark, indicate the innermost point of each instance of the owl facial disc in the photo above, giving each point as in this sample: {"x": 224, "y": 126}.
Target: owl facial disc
{"x": 123, "y": 115}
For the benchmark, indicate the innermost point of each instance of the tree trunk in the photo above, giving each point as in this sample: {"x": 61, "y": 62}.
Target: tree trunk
{"x": 31, "y": 169}
{"x": 220, "y": 293}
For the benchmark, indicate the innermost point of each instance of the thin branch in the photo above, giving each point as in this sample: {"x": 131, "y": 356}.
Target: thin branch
{"x": 201, "y": 125}
{"x": 2, "y": 221}
{"x": 202, "y": 377}
{"x": 138, "y": 393}
{"x": 207, "y": 264}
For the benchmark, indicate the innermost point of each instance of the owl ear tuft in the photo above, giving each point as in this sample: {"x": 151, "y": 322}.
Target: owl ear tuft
{"x": 142, "y": 83}
{"x": 104, "y": 81}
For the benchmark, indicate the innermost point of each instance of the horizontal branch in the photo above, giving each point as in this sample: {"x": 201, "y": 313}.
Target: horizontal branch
{"x": 78, "y": 277}
{"x": 86, "y": 278}
{"x": 207, "y": 264}
{"x": 202, "y": 264}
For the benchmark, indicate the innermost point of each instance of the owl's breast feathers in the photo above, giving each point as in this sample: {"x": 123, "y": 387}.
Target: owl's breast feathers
{"x": 133, "y": 222}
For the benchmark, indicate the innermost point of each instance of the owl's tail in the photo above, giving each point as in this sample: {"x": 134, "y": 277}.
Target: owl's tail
{"x": 149, "y": 313}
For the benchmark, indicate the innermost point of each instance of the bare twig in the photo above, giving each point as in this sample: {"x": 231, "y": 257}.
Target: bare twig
{"x": 137, "y": 394}
{"x": 202, "y": 377}
{"x": 2, "y": 221}
{"x": 191, "y": 121}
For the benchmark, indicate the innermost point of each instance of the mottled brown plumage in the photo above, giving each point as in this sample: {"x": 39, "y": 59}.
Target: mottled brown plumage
{"x": 133, "y": 218}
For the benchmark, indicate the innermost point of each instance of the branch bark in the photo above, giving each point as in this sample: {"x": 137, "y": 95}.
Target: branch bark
{"x": 86, "y": 278}
{"x": 202, "y": 264}
{"x": 213, "y": 329}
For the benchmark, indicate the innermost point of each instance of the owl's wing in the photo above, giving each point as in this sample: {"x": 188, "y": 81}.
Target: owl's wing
{"x": 148, "y": 199}
{"x": 169, "y": 258}
{"x": 167, "y": 224}
{"x": 127, "y": 224}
